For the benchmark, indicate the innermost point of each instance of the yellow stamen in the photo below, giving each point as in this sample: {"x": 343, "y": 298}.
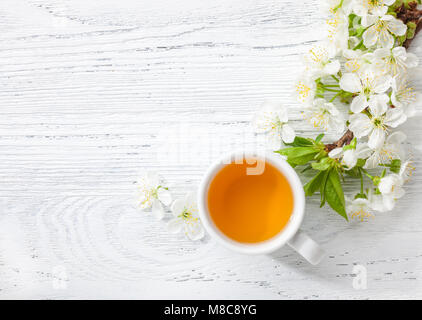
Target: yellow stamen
{"x": 361, "y": 214}
{"x": 353, "y": 65}
{"x": 303, "y": 91}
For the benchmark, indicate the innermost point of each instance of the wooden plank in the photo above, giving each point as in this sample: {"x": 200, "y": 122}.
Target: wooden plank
{"x": 93, "y": 92}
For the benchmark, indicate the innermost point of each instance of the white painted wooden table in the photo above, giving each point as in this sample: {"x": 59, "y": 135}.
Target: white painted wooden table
{"x": 91, "y": 92}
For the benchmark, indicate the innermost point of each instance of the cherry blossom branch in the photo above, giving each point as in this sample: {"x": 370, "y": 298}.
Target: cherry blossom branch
{"x": 406, "y": 14}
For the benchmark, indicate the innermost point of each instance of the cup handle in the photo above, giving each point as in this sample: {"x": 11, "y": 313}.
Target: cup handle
{"x": 307, "y": 247}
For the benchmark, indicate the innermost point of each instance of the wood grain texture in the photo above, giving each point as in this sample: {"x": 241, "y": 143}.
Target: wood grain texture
{"x": 92, "y": 92}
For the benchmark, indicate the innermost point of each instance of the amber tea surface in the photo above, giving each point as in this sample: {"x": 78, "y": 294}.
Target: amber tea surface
{"x": 250, "y": 208}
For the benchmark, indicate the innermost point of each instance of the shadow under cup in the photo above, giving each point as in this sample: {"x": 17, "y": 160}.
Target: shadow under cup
{"x": 249, "y": 201}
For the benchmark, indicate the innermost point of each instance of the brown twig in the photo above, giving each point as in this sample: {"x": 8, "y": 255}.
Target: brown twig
{"x": 410, "y": 14}
{"x": 344, "y": 140}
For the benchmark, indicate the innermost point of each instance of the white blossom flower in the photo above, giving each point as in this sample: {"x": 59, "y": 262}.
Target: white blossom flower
{"x": 305, "y": 89}
{"x": 382, "y": 118}
{"x": 394, "y": 61}
{"x": 363, "y": 208}
{"x": 325, "y": 115}
{"x": 272, "y": 118}
{"x": 185, "y": 212}
{"x": 319, "y": 60}
{"x": 338, "y": 30}
{"x": 391, "y": 188}
{"x": 381, "y": 30}
{"x": 152, "y": 194}
{"x": 369, "y": 87}
{"x": 404, "y": 96}
{"x": 390, "y": 150}
{"x": 350, "y": 156}
{"x": 376, "y": 7}
{"x": 357, "y": 60}
{"x": 359, "y": 208}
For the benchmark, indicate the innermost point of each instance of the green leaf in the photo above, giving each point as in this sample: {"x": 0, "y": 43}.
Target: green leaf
{"x": 299, "y": 155}
{"x": 300, "y": 142}
{"x": 323, "y": 165}
{"x": 320, "y": 155}
{"x": 314, "y": 184}
{"x": 323, "y": 185}
{"x": 303, "y": 158}
{"x": 334, "y": 193}
{"x": 306, "y": 168}
{"x": 319, "y": 138}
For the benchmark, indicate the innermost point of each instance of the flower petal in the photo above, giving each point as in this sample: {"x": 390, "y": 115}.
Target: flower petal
{"x": 382, "y": 53}
{"x": 190, "y": 202}
{"x": 395, "y": 26}
{"x": 399, "y": 192}
{"x": 164, "y": 196}
{"x": 394, "y": 117}
{"x": 350, "y": 158}
{"x": 152, "y": 178}
{"x": 359, "y": 103}
{"x": 378, "y": 104}
{"x": 363, "y": 151}
{"x": 262, "y": 122}
{"x": 287, "y": 133}
{"x": 370, "y": 36}
{"x": 157, "y": 209}
{"x": 379, "y": 10}
{"x": 376, "y": 139}
{"x": 360, "y": 125}
{"x": 368, "y": 20}
{"x": 382, "y": 84}
{"x": 332, "y": 67}
{"x": 177, "y": 207}
{"x": 194, "y": 230}
{"x": 175, "y": 225}
{"x": 386, "y": 184}
{"x": 388, "y": 202}
{"x": 274, "y": 140}
{"x": 373, "y": 161}
{"x": 399, "y": 53}
{"x": 386, "y": 40}
{"x": 396, "y": 137}
{"x": 350, "y": 82}
{"x": 335, "y": 153}
{"x": 376, "y": 202}
{"x": 360, "y": 9}
{"x": 351, "y": 54}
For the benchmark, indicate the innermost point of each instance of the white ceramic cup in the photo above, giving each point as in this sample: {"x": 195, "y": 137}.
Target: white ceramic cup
{"x": 290, "y": 234}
